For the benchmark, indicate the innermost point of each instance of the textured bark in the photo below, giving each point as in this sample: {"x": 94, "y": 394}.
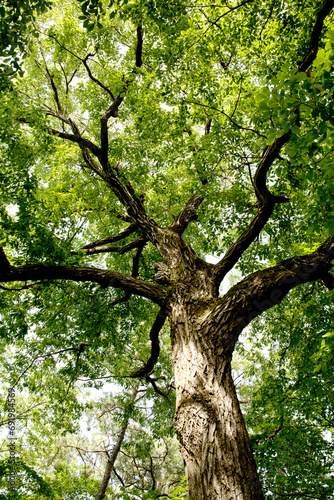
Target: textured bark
{"x": 213, "y": 439}
{"x": 204, "y": 330}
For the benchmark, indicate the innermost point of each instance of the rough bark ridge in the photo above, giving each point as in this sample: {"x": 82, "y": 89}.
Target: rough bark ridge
{"x": 213, "y": 439}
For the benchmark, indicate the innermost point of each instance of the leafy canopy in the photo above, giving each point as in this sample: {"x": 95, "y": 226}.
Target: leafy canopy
{"x": 216, "y": 85}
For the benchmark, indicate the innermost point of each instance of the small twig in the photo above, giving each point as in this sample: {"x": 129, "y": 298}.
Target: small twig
{"x": 240, "y": 127}
{"x": 156, "y": 388}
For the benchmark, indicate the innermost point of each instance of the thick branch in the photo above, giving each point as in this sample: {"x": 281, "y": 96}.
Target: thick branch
{"x": 267, "y": 202}
{"x": 93, "y": 78}
{"x": 85, "y": 146}
{"x": 243, "y": 242}
{"x": 103, "y": 277}
{"x": 136, "y": 259}
{"x": 91, "y": 164}
{"x": 155, "y": 348}
{"x": 78, "y": 140}
{"x": 270, "y": 154}
{"x": 208, "y": 126}
{"x": 264, "y": 289}
{"x": 315, "y": 36}
{"x": 188, "y": 214}
{"x": 123, "y": 191}
{"x": 139, "y": 47}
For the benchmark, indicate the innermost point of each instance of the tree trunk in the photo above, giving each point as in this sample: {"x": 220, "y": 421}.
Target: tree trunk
{"x": 213, "y": 439}
{"x": 113, "y": 456}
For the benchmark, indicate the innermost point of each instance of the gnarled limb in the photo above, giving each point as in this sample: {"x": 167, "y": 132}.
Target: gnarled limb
{"x": 264, "y": 289}
{"x": 103, "y": 277}
{"x": 91, "y": 164}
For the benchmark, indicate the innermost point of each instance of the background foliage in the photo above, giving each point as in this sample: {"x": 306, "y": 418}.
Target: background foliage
{"x": 218, "y": 82}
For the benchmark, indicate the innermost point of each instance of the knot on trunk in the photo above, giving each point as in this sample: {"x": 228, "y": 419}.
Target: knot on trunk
{"x": 163, "y": 273}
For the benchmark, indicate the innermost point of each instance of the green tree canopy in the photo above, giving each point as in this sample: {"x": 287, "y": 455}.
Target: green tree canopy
{"x": 142, "y": 141}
